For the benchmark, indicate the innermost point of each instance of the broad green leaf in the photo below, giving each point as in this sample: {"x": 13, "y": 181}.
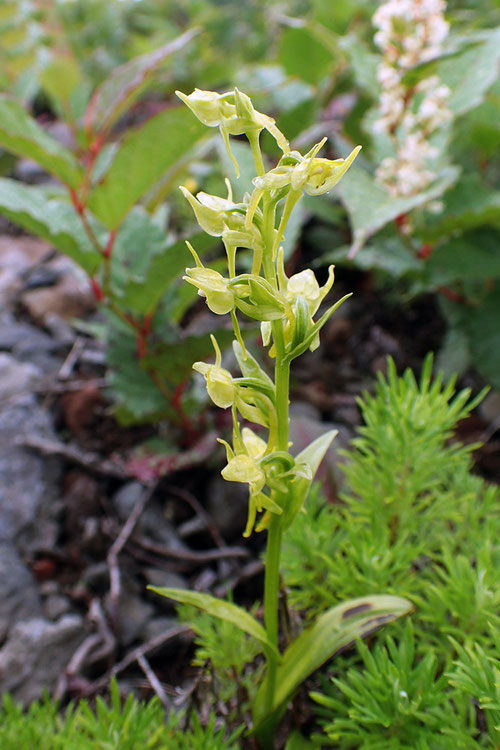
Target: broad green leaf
{"x": 386, "y": 252}
{"x": 431, "y": 67}
{"x": 370, "y": 206}
{"x": 312, "y": 456}
{"x": 50, "y": 218}
{"x": 333, "y": 631}
{"x": 470, "y": 74}
{"x": 60, "y": 76}
{"x": 125, "y": 84}
{"x": 141, "y": 160}
{"x": 473, "y": 256}
{"x": 302, "y": 54}
{"x": 22, "y": 135}
{"x": 219, "y": 608}
{"x": 469, "y": 204}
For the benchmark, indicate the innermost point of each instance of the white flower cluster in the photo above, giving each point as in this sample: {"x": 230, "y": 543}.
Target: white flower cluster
{"x": 410, "y": 32}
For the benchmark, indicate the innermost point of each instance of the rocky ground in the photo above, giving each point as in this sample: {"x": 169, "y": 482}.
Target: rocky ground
{"x": 80, "y": 537}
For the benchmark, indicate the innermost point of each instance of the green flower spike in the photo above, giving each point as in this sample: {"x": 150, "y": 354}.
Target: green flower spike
{"x": 211, "y": 285}
{"x": 220, "y": 385}
{"x": 244, "y": 466}
{"x": 234, "y": 114}
{"x": 305, "y": 296}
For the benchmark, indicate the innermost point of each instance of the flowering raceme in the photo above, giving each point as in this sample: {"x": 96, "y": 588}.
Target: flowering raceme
{"x": 410, "y": 32}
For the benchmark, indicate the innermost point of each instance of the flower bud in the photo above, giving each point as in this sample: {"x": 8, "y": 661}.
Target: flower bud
{"x": 215, "y": 214}
{"x": 205, "y": 105}
{"x": 220, "y": 385}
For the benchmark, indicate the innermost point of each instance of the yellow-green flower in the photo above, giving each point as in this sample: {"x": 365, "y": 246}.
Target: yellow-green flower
{"x": 213, "y": 286}
{"x": 220, "y": 385}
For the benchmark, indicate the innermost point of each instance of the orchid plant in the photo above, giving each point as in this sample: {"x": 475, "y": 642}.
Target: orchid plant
{"x": 288, "y": 309}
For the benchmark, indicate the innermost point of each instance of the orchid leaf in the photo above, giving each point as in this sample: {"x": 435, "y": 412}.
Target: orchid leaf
{"x": 332, "y": 632}
{"x": 219, "y": 608}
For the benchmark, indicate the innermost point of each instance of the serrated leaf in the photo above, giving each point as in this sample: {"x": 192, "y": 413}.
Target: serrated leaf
{"x": 143, "y": 291}
{"x": 125, "y": 83}
{"x": 470, "y": 74}
{"x": 52, "y": 219}
{"x": 469, "y": 204}
{"x": 142, "y": 158}
{"x": 484, "y": 336}
{"x": 471, "y": 257}
{"x": 311, "y": 456}
{"x": 371, "y": 207}
{"x": 22, "y": 135}
{"x": 362, "y": 62}
{"x": 175, "y": 360}
{"x": 333, "y": 631}
{"x": 221, "y": 609}
{"x": 302, "y": 54}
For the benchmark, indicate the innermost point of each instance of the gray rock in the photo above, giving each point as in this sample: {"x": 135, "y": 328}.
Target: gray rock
{"x": 26, "y": 480}
{"x": 36, "y": 653}
{"x": 227, "y": 505}
{"x": 152, "y": 522}
{"x": 16, "y": 377}
{"x": 158, "y": 626}
{"x": 160, "y": 577}
{"x": 19, "y": 598}
{"x": 125, "y": 499}
{"x": 134, "y": 613}
{"x": 55, "y": 606}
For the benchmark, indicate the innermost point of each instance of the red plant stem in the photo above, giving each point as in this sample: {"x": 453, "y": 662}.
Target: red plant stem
{"x": 96, "y": 288}
{"x": 451, "y": 294}
{"x": 425, "y": 251}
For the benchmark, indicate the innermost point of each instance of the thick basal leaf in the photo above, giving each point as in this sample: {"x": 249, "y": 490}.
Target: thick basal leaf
{"x": 52, "y": 219}
{"x": 371, "y": 207}
{"x": 470, "y": 74}
{"x": 125, "y": 84}
{"x": 22, "y": 135}
{"x": 221, "y": 609}
{"x": 312, "y": 456}
{"x": 297, "y": 741}
{"x": 333, "y": 631}
{"x": 469, "y": 204}
{"x": 141, "y": 160}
